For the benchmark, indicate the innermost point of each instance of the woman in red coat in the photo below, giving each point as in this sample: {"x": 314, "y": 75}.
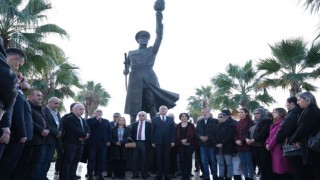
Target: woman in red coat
{"x": 185, "y": 141}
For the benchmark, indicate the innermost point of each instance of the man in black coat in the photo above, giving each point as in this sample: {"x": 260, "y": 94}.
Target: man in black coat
{"x": 141, "y": 134}
{"x": 21, "y": 131}
{"x": 99, "y": 140}
{"x": 59, "y": 158}
{"x": 163, "y": 138}
{"x": 75, "y": 132}
{"x": 205, "y": 128}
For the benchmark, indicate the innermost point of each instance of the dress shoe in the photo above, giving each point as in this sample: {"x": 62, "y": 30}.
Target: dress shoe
{"x": 135, "y": 177}
{"x": 78, "y": 177}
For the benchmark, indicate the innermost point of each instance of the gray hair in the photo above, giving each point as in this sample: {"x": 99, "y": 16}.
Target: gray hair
{"x": 53, "y": 99}
{"x": 142, "y": 112}
{"x": 77, "y": 106}
{"x": 308, "y": 97}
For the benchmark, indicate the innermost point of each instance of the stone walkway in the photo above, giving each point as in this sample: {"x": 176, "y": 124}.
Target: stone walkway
{"x": 82, "y": 170}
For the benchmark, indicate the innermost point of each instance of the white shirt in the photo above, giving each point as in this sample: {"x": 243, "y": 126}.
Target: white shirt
{"x": 143, "y": 135}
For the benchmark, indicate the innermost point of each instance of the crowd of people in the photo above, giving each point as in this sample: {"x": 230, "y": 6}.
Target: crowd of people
{"x": 224, "y": 148}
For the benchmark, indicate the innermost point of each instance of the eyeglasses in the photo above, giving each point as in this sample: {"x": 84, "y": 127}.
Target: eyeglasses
{"x": 220, "y": 116}
{"x": 98, "y": 111}
{"x": 115, "y": 116}
{"x": 141, "y": 114}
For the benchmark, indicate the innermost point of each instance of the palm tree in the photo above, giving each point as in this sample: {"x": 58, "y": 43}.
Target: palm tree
{"x": 312, "y": 5}
{"x": 201, "y": 100}
{"x": 92, "y": 96}
{"x": 56, "y": 80}
{"x": 239, "y": 86}
{"x": 291, "y": 66}
{"x": 22, "y": 26}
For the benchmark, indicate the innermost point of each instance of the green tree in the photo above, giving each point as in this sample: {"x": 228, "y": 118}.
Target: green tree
{"x": 291, "y": 65}
{"x": 92, "y": 96}
{"x": 201, "y": 100}
{"x": 57, "y": 80}
{"x": 239, "y": 86}
{"x": 22, "y": 26}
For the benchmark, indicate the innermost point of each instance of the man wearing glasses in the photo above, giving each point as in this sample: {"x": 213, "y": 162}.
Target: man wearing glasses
{"x": 112, "y": 124}
{"x": 141, "y": 134}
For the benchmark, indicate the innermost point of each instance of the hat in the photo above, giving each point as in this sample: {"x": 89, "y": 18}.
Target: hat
{"x": 226, "y": 111}
{"x": 142, "y": 33}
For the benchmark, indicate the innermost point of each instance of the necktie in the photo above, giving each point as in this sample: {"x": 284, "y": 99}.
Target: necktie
{"x": 140, "y": 130}
{"x": 163, "y": 119}
{"x": 81, "y": 124}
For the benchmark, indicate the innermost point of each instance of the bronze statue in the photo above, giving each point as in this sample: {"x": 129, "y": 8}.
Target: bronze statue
{"x": 143, "y": 91}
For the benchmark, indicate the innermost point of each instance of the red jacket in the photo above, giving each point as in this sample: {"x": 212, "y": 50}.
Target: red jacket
{"x": 241, "y": 133}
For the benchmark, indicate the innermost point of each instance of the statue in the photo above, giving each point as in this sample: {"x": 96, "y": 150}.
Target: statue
{"x": 143, "y": 91}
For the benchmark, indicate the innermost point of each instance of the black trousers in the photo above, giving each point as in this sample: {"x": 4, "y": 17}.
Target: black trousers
{"x": 140, "y": 156}
{"x": 10, "y": 158}
{"x": 72, "y": 156}
{"x": 263, "y": 159}
{"x": 163, "y": 159}
{"x": 119, "y": 167}
{"x": 59, "y": 159}
{"x": 185, "y": 154}
{"x": 27, "y": 162}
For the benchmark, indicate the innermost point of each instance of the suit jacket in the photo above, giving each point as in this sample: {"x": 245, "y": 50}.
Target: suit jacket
{"x": 8, "y": 83}
{"x": 73, "y": 130}
{"x": 119, "y": 152}
{"x": 206, "y": 130}
{"x": 21, "y": 120}
{"x": 100, "y": 132}
{"x": 134, "y": 131}
{"x": 163, "y": 132}
{"x": 51, "y": 125}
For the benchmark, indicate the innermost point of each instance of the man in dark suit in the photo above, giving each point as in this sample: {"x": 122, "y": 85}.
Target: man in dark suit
{"x": 11, "y": 59}
{"x": 75, "y": 132}
{"x": 205, "y": 128}
{"x": 8, "y": 91}
{"x": 21, "y": 131}
{"x": 141, "y": 134}
{"x": 163, "y": 138}
{"x": 99, "y": 140}
{"x": 27, "y": 163}
{"x": 59, "y": 158}
{"x": 109, "y": 168}
{"x": 52, "y": 117}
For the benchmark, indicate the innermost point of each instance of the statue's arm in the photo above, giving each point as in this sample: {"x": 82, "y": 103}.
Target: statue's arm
{"x": 159, "y": 32}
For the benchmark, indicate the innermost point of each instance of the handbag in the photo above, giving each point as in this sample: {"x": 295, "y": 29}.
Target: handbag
{"x": 314, "y": 142}
{"x": 130, "y": 145}
{"x": 291, "y": 150}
